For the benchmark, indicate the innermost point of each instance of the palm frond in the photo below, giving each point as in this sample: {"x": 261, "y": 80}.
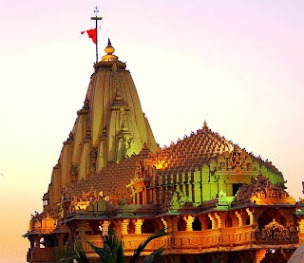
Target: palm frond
{"x": 79, "y": 254}
{"x": 112, "y": 250}
{"x": 142, "y": 246}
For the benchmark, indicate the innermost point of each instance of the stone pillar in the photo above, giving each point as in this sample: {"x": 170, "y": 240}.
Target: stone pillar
{"x": 164, "y": 224}
{"x": 189, "y": 220}
{"x": 239, "y": 216}
{"x": 124, "y": 226}
{"x": 259, "y": 255}
{"x": 169, "y": 223}
{"x": 37, "y": 242}
{"x": 212, "y": 220}
{"x": 138, "y": 225}
{"x": 204, "y": 221}
{"x": 220, "y": 219}
{"x": 174, "y": 222}
{"x": 105, "y": 227}
{"x": 251, "y": 216}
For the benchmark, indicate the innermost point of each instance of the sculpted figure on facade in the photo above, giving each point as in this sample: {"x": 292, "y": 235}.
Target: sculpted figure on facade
{"x": 93, "y": 159}
{"x": 236, "y": 159}
{"x": 74, "y": 173}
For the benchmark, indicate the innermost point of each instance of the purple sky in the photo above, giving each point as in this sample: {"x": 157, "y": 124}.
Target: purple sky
{"x": 236, "y": 64}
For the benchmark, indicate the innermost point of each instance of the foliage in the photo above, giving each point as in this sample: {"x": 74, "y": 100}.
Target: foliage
{"x": 112, "y": 250}
{"x": 142, "y": 246}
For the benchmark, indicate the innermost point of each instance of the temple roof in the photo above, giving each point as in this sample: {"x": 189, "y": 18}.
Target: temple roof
{"x": 197, "y": 149}
{"x": 111, "y": 182}
{"x": 186, "y": 155}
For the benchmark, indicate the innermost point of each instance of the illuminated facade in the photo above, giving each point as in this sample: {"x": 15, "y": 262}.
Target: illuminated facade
{"x": 213, "y": 197}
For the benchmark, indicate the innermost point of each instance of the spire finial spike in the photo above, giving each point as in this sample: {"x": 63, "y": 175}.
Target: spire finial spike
{"x": 205, "y": 125}
{"x": 96, "y": 18}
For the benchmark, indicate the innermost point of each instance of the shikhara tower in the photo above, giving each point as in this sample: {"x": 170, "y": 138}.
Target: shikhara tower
{"x": 110, "y": 127}
{"x": 213, "y": 197}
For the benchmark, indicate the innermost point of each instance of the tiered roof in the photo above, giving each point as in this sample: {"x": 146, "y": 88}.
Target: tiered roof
{"x": 192, "y": 151}
{"x": 110, "y": 183}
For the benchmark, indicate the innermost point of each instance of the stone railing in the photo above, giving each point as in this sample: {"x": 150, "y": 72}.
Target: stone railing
{"x": 184, "y": 241}
{"x": 132, "y": 241}
{"x": 193, "y": 242}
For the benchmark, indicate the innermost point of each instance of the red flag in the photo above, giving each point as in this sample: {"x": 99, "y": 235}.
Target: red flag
{"x": 92, "y": 33}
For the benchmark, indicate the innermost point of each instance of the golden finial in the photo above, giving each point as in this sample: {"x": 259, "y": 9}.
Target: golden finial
{"x": 109, "y": 53}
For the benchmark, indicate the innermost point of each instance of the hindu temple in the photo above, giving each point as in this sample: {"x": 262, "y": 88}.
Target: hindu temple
{"x": 215, "y": 199}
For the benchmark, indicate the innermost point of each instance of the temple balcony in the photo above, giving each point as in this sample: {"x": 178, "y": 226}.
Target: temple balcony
{"x": 190, "y": 242}
{"x": 193, "y": 242}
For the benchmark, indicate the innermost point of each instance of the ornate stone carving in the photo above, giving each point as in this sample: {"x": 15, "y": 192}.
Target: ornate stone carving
{"x": 260, "y": 190}
{"x": 236, "y": 159}
{"x": 276, "y": 233}
{"x": 74, "y": 173}
{"x": 93, "y": 159}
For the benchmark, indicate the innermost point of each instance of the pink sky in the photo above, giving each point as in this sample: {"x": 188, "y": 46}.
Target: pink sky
{"x": 236, "y": 64}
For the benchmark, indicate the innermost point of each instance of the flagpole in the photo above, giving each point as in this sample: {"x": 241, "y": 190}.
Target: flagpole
{"x": 96, "y": 18}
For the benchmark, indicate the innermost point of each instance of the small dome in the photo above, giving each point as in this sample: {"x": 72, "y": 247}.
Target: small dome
{"x": 109, "y": 53}
{"x": 109, "y": 50}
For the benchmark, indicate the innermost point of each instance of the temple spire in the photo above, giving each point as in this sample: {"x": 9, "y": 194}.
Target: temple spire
{"x": 96, "y": 18}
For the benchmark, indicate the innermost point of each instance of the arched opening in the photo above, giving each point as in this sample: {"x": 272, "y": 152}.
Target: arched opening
{"x": 265, "y": 219}
{"x": 248, "y": 221}
{"x": 42, "y": 243}
{"x": 196, "y": 225}
{"x": 95, "y": 226}
{"x": 148, "y": 226}
{"x": 209, "y": 224}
